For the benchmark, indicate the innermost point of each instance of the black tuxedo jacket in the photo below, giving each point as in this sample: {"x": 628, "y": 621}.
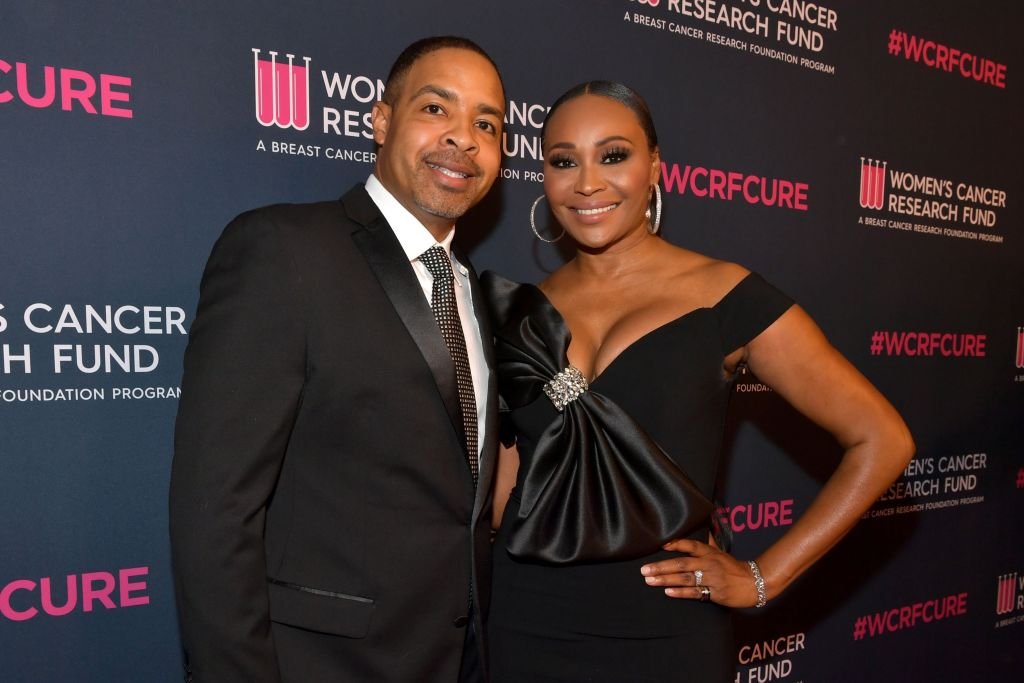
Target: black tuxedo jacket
{"x": 324, "y": 523}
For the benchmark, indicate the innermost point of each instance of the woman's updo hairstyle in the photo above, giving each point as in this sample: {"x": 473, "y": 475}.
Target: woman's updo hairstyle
{"x": 622, "y": 94}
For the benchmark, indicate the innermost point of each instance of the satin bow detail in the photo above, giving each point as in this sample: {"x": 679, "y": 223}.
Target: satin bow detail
{"x": 597, "y": 487}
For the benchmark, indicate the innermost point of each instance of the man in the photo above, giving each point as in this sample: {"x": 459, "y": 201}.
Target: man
{"x": 333, "y": 450}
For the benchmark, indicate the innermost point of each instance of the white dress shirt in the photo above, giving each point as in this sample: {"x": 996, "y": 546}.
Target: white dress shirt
{"x": 416, "y": 239}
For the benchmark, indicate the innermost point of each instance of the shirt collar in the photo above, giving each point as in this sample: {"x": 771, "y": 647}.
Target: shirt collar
{"x": 412, "y": 235}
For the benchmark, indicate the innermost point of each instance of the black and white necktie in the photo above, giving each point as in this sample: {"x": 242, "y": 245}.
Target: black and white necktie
{"x": 446, "y": 311}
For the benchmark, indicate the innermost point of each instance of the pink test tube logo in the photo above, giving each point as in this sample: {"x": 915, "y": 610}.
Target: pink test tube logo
{"x": 282, "y": 91}
{"x": 872, "y": 183}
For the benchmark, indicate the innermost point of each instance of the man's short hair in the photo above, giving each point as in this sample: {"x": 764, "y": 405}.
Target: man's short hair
{"x": 422, "y": 48}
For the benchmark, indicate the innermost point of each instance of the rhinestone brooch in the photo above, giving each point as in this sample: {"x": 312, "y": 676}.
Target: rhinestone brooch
{"x": 566, "y": 387}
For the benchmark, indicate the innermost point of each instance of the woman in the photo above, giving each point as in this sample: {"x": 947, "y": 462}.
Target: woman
{"x": 616, "y": 372}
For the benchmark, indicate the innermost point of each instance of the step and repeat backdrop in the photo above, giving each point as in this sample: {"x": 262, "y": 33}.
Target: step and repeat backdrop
{"x": 863, "y": 156}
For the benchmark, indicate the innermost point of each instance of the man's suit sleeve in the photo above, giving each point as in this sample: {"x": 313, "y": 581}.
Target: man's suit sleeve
{"x": 243, "y": 379}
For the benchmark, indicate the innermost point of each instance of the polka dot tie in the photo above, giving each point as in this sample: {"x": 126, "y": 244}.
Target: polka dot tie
{"x": 446, "y": 311}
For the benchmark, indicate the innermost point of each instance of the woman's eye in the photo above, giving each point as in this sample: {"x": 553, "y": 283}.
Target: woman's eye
{"x": 562, "y": 162}
{"x": 614, "y": 156}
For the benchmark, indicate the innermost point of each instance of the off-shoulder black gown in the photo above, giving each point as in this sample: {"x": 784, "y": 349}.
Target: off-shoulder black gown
{"x": 629, "y": 464}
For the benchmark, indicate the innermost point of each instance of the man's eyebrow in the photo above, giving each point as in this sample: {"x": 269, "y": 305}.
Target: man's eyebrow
{"x": 449, "y": 96}
{"x": 436, "y": 90}
{"x": 490, "y": 110}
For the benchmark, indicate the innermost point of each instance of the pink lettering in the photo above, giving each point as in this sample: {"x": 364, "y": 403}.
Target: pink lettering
{"x": 979, "y": 68}
{"x": 7, "y": 609}
{"x": 754, "y": 515}
{"x": 90, "y": 593}
{"x": 734, "y": 183}
{"x": 894, "y": 343}
{"x": 127, "y": 586}
{"x": 108, "y": 95}
{"x": 76, "y": 87}
{"x": 912, "y": 48}
{"x": 786, "y": 518}
{"x": 949, "y": 606}
{"x": 962, "y": 603}
{"x": 751, "y": 197}
{"x": 800, "y": 196}
{"x": 46, "y": 596}
{"x": 703, "y": 172}
{"x": 876, "y": 623}
{"x": 954, "y": 58}
{"x": 734, "y": 524}
{"x": 5, "y": 95}
{"x": 68, "y": 93}
{"x": 758, "y": 515}
{"x": 771, "y": 514}
{"x": 997, "y": 74}
{"x": 48, "y": 90}
{"x": 927, "y": 58}
{"x": 924, "y": 344}
{"x": 946, "y": 344}
{"x": 786, "y": 194}
{"x": 969, "y": 345}
{"x": 717, "y": 184}
{"x": 673, "y": 179}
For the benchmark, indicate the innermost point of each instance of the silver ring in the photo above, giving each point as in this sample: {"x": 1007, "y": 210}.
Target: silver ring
{"x": 705, "y": 594}
{"x": 698, "y": 576}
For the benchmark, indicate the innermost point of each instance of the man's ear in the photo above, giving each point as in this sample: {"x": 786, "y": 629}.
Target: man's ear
{"x": 380, "y": 117}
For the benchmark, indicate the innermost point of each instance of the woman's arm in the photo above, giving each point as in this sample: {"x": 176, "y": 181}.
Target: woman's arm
{"x": 793, "y": 357}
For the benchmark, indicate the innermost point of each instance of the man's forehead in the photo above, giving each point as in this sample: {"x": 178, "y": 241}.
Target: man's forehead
{"x": 450, "y": 56}
{"x": 435, "y": 70}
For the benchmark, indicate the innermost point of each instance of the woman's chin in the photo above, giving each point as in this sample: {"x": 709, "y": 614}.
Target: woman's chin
{"x": 596, "y": 240}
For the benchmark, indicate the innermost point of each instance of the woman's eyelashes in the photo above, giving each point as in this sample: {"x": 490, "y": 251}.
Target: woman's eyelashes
{"x": 562, "y": 161}
{"x": 614, "y": 155}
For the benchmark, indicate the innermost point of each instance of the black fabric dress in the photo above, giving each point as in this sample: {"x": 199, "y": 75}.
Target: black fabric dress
{"x": 629, "y": 464}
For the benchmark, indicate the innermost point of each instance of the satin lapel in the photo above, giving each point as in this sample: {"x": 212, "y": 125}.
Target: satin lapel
{"x": 384, "y": 254}
{"x": 489, "y": 452}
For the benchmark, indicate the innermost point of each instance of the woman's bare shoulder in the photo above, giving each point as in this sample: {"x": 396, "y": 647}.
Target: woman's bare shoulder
{"x": 709, "y": 278}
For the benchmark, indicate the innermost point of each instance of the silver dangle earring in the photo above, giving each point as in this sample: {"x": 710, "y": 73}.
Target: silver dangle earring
{"x": 655, "y": 225}
{"x": 533, "y": 222}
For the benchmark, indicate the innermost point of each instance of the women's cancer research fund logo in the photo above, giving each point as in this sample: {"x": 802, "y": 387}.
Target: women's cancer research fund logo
{"x": 282, "y": 90}
{"x": 872, "y": 183}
